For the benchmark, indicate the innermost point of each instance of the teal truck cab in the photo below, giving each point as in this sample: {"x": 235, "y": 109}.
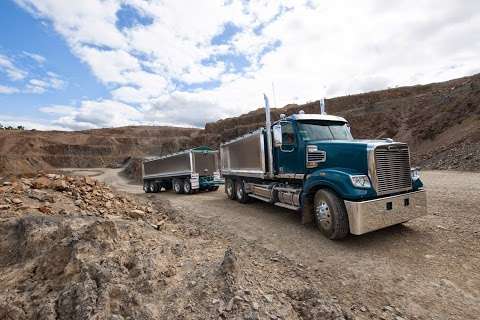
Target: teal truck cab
{"x": 311, "y": 163}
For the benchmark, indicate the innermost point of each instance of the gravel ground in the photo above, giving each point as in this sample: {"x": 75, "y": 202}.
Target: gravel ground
{"x": 428, "y": 268}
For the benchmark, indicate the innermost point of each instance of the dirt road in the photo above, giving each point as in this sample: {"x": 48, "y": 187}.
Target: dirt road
{"x": 429, "y": 268}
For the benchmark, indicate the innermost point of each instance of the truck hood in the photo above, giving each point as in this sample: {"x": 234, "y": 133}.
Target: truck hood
{"x": 348, "y": 155}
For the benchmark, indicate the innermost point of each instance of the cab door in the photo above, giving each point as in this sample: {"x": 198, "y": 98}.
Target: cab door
{"x": 289, "y": 157}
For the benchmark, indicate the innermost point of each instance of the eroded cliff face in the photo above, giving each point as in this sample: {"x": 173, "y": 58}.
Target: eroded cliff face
{"x": 30, "y": 151}
{"x": 440, "y": 122}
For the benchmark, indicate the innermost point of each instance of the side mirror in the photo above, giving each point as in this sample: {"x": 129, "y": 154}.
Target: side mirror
{"x": 277, "y": 135}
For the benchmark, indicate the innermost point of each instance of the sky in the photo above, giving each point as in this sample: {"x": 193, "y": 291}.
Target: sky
{"x": 74, "y": 65}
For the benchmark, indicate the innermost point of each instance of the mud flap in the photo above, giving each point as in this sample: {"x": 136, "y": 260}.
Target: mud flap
{"x": 307, "y": 211}
{"x": 195, "y": 181}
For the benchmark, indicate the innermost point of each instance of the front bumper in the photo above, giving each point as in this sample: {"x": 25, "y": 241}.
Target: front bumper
{"x": 376, "y": 214}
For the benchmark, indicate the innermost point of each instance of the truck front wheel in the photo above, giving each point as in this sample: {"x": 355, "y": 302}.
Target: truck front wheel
{"x": 230, "y": 188}
{"x": 178, "y": 186}
{"x": 330, "y": 215}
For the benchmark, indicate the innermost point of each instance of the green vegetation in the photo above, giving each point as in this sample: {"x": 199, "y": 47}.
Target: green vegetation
{"x": 20, "y": 128}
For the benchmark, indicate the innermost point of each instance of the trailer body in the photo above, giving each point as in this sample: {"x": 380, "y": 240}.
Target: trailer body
{"x": 185, "y": 172}
{"x": 315, "y": 167}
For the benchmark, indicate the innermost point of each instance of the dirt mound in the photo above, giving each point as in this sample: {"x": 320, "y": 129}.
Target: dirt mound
{"x": 71, "y": 248}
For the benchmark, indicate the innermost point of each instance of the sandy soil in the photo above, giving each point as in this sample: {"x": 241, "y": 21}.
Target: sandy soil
{"x": 429, "y": 267}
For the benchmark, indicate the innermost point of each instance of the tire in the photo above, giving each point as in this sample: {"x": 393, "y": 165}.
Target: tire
{"x": 187, "y": 186}
{"x": 240, "y": 193}
{"x": 330, "y": 215}
{"x": 151, "y": 187}
{"x": 157, "y": 187}
{"x": 178, "y": 186}
{"x": 230, "y": 188}
{"x": 146, "y": 186}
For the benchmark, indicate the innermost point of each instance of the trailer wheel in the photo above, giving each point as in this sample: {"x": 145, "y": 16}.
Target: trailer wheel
{"x": 230, "y": 188}
{"x": 146, "y": 186}
{"x": 178, "y": 186}
{"x": 157, "y": 187}
{"x": 151, "y": 187}
{"x": 242, "y": 196}
{"x": 330, "y": 215}
{"x": 187, "y": 186}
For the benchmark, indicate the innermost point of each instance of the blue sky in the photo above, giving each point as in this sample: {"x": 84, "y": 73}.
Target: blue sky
{"x": 88, "y": 64}
{"x": 21, "y": 34}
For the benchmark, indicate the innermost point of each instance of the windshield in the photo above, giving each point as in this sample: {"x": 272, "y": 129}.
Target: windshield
{"x": 324, "y": 130}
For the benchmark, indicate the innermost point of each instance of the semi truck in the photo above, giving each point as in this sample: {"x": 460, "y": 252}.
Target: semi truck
{"x": 310, "y": 163}
{"x": 185, "y": 172}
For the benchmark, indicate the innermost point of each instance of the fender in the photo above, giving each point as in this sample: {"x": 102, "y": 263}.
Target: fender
{"x": 337, "y": 179}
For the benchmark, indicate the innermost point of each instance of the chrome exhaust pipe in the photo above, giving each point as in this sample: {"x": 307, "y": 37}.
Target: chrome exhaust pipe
{"x": 268, "y": 128}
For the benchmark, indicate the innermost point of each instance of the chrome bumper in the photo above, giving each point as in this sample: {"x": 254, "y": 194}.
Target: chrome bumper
{"x": 376, "y": 214}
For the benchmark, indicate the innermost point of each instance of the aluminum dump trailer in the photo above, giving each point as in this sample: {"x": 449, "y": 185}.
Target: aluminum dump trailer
{"x": 244, "y": 156}
{"x": 185, "y": 172}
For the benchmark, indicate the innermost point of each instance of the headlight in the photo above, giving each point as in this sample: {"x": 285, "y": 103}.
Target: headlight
{"x": 361, "y": 181}
{"x": 415, "y": 173}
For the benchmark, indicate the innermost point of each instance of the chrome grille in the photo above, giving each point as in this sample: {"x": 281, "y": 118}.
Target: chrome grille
{"x": 316, "y": 156}
{"x": 392, "y": 166}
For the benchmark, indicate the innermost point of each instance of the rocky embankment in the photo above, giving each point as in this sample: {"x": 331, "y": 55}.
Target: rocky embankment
{"x": 72, "y": 248}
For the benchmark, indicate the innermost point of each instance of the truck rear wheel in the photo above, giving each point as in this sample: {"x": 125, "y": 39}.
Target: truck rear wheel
{"x": 187, "y": 186}
{"x": 230, "y": 188}
{"x": 146, "y": 186}
{"x": 152, "y": 187}
{"x": 178, "y": 186}
{"x": 330, "y": 215}
{"x": 242, "y": 196}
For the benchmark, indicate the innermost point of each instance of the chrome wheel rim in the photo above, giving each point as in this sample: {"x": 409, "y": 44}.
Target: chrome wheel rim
{"x": 229, "y": 189}
{"x": 239, "y": 192}
{"x": 152, "y": 187}
{"x": 186, "y": 187}
{"x": 176, "y": 186}
{"x": 324, "y": 216}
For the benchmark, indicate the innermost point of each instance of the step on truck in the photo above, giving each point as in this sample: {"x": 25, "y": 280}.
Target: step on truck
{"x": 185, "y": 172}
{"x": 310, "y": 163}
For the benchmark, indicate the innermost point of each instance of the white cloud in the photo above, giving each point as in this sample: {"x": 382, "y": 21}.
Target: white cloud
{"x": 308, "y": 48}
{"x": 8, "y": 90}
{"x": 91, "y": 22}
{"x": 96, "y": 114}
{"x": 35, "y": 80}
{"x": 8, "y": 67}
{"x": 36, "y": 57}
{"x": 39, "y": 86}
{"x": 58, "y": 110}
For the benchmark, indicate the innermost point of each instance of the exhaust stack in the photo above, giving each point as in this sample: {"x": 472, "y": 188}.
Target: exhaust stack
{"x": 322, "y": 106}
{"x": 268, "y": 128}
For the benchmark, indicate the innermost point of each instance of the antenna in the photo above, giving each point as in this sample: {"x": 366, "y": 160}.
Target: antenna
{"x": 322, "y": 106}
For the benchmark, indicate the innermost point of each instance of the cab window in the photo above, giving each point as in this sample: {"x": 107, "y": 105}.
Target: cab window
{"x": 288, "y": 134}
